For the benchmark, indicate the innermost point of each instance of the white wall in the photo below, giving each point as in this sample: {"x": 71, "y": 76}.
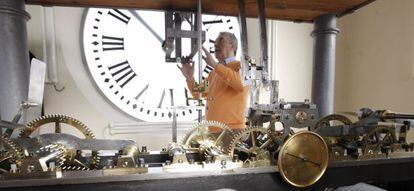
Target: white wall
{"x": 375, "y": 58}
{"x": 81, "y": 99}
{"x": 293, "y": 63}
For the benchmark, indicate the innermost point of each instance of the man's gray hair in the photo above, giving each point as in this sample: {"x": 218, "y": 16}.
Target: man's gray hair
{"x": 232, "y": 38}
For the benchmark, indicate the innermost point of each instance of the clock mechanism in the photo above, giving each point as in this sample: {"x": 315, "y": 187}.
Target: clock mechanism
{"x": 124, "y": 54}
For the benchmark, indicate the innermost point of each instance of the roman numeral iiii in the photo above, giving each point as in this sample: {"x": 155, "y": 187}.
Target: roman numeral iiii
{"x": 122, "y": 73}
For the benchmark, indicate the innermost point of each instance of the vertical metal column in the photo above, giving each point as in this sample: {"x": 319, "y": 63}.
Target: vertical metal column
{"x": 174, "y": 122}
{"x": 243, "y": 39}
{"x": 14, "y": 57}
{"x": 323, "y": 77}
{"x": 200, "y": 51}
{"x": 263, "y": 40}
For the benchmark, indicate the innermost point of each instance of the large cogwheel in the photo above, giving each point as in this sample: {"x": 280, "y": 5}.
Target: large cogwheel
{"x": 199, "y": 136}
{"x": 326, "y": 121}
{"x": 11, "y": 154}
{"x": 57, "y": 119}
{"x": 251, "y": 144}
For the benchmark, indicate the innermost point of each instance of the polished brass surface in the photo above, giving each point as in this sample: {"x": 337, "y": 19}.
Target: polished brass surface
{"x": 303, "y": 159}
{"x": 124, "y": 171}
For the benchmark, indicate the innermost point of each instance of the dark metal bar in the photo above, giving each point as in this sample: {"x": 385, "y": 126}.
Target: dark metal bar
{"x": 323, "y": 76}
{"x": 263, "y": 40}
{"x": 178, "y": 41}
{"x": 14, "y": 62}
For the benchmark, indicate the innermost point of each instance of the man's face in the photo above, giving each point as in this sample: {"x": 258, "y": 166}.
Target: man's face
{"x": 223, "y": 48}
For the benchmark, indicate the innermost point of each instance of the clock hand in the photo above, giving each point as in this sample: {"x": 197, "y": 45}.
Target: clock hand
{"x": 152, "y": 31}
{"x": 304, "y": 159}
{"x": 213, "y": 22}
{"x": 162, "y": 99}
{"x": 142, "y": 91}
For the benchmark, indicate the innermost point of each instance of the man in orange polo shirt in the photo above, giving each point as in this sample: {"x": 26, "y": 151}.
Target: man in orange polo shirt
{"x": 227, "y": 95}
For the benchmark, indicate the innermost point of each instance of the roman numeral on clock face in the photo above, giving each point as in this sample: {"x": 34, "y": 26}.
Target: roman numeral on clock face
{"x": 112, "y": 43}
{"x": 122, "y": 73}
{"x": 117, "y": 14}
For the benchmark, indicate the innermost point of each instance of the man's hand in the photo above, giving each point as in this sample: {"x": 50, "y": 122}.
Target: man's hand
{"x": 209, "y": 59}
{"x": 187, "y": 68}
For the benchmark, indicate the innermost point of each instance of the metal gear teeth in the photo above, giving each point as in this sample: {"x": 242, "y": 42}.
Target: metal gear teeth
{"x": 333, "y": 117}
{"x": 57, "y": 149}
{"x": 94, "y": 164}
{"x": 37, "y": 123}
{"x": 96, "y": 160}
{"x": 10, "y": 146}
{"x": 205, "y": 124}
{"x": 236, "y": 137}
{"x": 74, "y": 168}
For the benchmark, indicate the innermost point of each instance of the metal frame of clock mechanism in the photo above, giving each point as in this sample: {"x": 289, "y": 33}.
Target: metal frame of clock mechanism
{"x": 127, "y": 54}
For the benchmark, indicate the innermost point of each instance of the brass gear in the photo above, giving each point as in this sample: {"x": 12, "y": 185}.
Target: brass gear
{"x": 74, "y": 162}
{"x": 279, "y": 137}
{"x": 199, "y": 136}
{"x": 57, "y": 119}
{"x": 12, "y": 152}
{"x": 253, "y": 142}
{"x": 325, "y": 121}
{"x": 55, "y": 152}
{"x": 379, "y": 138}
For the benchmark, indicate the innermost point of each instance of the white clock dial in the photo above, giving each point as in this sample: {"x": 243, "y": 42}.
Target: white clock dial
{"x": 127, "y": 63}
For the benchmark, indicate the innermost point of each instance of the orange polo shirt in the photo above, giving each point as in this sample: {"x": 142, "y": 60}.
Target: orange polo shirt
{"x": 227, "y": 97}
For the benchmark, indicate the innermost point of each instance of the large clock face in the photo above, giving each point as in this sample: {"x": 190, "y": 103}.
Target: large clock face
{"x": 123, "y": 52}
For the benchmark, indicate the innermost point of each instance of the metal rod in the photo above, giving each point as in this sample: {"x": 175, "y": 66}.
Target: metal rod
{"x": 263, "y": 40}
{"x": 146, "y": 25}
{"x": 243, "y": 39}
{"x": 323, "y": 75}
{"x": 274, "y": 91}
{"x": 199, "y": 40}
{"x": 174, "y": 122}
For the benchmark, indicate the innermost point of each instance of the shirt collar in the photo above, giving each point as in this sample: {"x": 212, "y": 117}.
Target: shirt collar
{"x": 229, "y": 59}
